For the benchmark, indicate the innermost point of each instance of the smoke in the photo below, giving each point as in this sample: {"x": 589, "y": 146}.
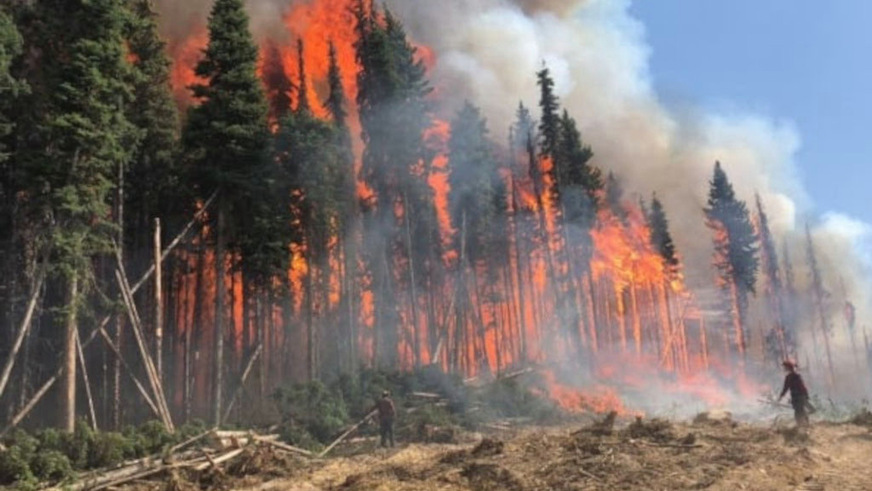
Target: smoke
{"x": 488, "y": 51}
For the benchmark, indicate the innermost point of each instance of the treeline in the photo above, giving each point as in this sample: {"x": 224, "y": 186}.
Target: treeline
{"x": 292, "y": 258}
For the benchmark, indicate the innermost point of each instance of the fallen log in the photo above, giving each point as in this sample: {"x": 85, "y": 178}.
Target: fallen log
{"x": 219, "y": 460}
{"x": 195, "y": 438}
{"x": 426, "y": 395}
{"x": 350, "y": 430}
{"x": 284, "y": 446}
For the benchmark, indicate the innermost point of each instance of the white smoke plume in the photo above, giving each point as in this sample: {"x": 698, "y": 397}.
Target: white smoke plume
{"x": 488, "y": 51}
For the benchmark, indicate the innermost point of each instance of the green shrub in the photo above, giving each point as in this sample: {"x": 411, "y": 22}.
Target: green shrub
{"x": 15, "y": 466}
{"x": 313, "y": 408}
{"x": 51, "y": 465}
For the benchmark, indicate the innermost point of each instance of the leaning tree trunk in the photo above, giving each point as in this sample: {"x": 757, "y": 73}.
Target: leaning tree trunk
{"x": 68, "y": 414}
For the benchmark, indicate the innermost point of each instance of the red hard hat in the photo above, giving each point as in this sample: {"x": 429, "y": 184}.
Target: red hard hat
{"x": 788, "y": 364}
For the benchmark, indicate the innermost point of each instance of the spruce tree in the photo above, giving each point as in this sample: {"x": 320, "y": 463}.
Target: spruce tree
{"x": 778, "y": 340}
{"x": 154, "y": 184}
{"x": 661, "y": 238}
{"x": 226, "y": 141}
{"x": 736, "y": 250}
{"x": 392, "y": 88}
{"x": 472, "y": 176}
{"x": 81, "y": 138}
{"x": 523, "y": 130}
{"x": 549, "y": 125}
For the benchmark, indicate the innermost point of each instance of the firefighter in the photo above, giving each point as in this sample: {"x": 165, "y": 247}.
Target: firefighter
{"x": 386, "y": 413}
{"x": 798, "y": 393}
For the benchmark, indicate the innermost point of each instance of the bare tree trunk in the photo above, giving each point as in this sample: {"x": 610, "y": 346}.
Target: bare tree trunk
{"x": 22, "y": 332}
{"x": 81, "y": 356}
{"x": 68, "y": 413}
{"x": 412, "y": 281}
{"x": 311, "y": 342}
{"x": 218, "y": 334}
{"x": 119, "y": 320}
{"x": 158, "y": 302}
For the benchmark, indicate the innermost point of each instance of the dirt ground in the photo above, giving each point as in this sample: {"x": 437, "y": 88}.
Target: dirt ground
{"x": 715, "y": 454}
{"x": 649, "y": 455}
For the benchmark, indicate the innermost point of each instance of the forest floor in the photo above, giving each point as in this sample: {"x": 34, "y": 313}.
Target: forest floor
{"x": 706, "y": 453}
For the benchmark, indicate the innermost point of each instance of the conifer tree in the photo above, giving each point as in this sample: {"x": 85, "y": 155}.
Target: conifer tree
{"x": 660, "y": 237}
{"x": 279, "y": 88}
{"x": 81, "y": 138}
{"x": 226, "y": 141}
{"x": 736, "y": 250}
{"x": 778, "y": 340}
{"x": 549, "y": 125}
{"x": 523, "y": 130}
{"x": 154, "y": 182}
{"x": 472, "y": 170}
{"x": 393, "y": 112}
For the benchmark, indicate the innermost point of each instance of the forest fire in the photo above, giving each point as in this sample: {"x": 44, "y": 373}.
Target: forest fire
{"x": 541, "y": 304}
{"x": 356, "y": 212}
{"x": 598, "y": 399}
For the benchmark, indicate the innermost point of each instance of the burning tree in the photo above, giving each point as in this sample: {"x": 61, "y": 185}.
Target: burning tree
{"x": 736, "y": 247}
{"x": 350, "y": 228}
{"x": 401, "y": 233}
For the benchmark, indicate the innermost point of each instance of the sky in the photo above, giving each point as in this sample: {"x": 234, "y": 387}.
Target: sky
{"x": 805, "y": 62}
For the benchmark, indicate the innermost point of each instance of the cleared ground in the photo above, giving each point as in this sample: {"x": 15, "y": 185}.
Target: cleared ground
{"x": 707, "y": 453}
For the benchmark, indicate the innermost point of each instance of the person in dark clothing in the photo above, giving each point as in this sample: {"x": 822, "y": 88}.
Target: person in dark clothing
{"x": 798, "y": 393}
{"x": 386, "y": 413}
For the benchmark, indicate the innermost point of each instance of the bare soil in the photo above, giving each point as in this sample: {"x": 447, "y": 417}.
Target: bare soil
{"x": 715, "y": 454}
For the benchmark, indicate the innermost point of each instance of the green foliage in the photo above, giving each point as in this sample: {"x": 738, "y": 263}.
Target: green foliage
{"x": 310, "y": 409}
{"x": 660, "y": 238}
{"x": 15, "y": 461}
{"x": 736, "y": 246}
{"x": 511, "y": 398}
{"x": 52, "y": 465}
{"x": 226, "y": 143}
{"x": 11, "y": 45}
{"x": 81, "y": 133}
{"x": 153, "y": 186}
{"x": 549, "y": 125}
{"x": 52, "y": 455}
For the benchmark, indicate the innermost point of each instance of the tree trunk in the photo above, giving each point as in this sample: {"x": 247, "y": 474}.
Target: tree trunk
{"x": 68, "y": 415}
{"x": 218, "y": 334}
{"x": 158, "y": 302}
